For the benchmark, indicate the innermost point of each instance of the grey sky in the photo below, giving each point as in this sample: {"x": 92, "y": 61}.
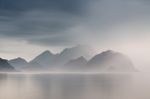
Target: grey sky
{"x": 27, "y": 27}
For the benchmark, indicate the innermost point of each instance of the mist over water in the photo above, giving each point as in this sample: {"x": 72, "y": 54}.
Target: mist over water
{"x": 74, "y": 49}
{"x": 74, "y": 86}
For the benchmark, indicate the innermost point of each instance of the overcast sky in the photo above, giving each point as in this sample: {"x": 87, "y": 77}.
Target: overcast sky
{"x": 28, "y": 27}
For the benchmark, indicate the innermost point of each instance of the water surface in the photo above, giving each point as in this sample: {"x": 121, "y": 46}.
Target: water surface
{"x": 74, "y": 86}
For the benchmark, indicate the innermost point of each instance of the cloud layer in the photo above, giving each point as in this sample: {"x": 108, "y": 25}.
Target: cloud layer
{"x": 67, "y": 22}
{"x": 40, "y": 21}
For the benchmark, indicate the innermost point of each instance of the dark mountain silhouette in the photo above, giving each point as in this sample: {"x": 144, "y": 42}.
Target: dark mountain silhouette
{"x": 110, "y": 61}
{"x": 76, "y": 64}
{"x": 5, "y": 66}
{"x": 18, "y": 63}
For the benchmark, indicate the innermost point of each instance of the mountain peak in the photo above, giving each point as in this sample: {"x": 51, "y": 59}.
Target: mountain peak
{"x": 73, "y": 53}
{"x": 81, "y": 59}
{"x": 76, "y": 64}
{"x": 47, "y": 52}
{"x": 44, "y": 55}
{"x": 45, "y": 58}
{"x": 18, "y": 59}
{"x": 18, "y": 63}
{"x": 78, "y": 50}
{"x": 111, "y": 60}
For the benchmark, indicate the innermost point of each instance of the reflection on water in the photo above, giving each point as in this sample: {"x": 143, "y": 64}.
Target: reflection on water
{"x": 62, "y": 86}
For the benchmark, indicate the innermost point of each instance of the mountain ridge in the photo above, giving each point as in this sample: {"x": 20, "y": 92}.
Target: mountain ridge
{"x": 111, "y": 60}
{"x": 75, "y": 58}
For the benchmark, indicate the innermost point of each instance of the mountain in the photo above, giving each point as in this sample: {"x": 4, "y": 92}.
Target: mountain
{"x": 73, "y": 53}
{"x": 5, "y": 66}
{"x": 76, "y": 64}
{"x": 51, "y": 61}
{"x": 110, "y": 61}
{"x": 18, "y": 63}
{"x": 45, "y": 59}
{"x": 75, "y": 59}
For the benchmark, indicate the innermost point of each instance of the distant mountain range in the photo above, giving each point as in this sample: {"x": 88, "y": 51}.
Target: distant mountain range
{"x": 78, "y": 58}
